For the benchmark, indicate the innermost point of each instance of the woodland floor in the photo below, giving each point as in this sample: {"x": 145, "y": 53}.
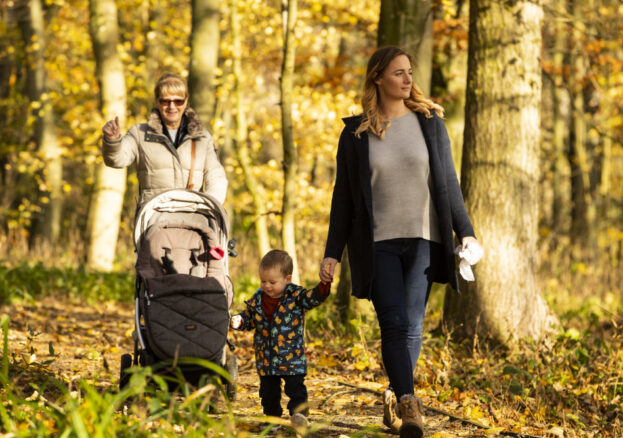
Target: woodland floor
{"x": 89, "y": 340}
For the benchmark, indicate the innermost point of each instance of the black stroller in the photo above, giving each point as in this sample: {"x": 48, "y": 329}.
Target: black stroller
{"x": 183, "y": 290}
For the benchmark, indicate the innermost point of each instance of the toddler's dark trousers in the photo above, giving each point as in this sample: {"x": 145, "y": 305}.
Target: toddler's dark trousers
{"x": 294, "y": 387}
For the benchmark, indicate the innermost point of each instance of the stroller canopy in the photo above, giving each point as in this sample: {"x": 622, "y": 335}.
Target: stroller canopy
{"x": 187, "y": 207}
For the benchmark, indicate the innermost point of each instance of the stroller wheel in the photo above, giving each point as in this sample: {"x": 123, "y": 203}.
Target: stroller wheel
{"x": 124, "y": 378}
{"x": 231, "y": 387}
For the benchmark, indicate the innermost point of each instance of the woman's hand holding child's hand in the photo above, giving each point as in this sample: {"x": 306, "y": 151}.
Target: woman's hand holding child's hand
{"x": 236, "y": 321}
{"x": 327, "y": 268}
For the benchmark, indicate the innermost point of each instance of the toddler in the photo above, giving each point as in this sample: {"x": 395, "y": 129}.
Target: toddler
{"x": 277, "y": 313}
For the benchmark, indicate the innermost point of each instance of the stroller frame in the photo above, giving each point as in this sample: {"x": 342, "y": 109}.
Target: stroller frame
{"x": 144, "y": 353}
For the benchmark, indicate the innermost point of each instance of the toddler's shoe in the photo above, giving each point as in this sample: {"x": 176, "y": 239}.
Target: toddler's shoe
{"x": 299, "y": 421}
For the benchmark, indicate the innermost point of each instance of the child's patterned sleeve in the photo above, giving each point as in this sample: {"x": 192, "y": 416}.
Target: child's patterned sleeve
{"x": 308, "y": 299}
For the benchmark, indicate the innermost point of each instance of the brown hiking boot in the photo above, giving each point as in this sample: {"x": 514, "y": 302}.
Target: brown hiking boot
{"x": 410, "y": 409}
{"x": 390, "y": 418}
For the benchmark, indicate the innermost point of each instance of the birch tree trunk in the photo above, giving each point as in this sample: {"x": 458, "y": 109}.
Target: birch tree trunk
{"x": 107, "y": 198}
{"x": 408, "y": 24}
{"x": 204, "y": 43}
{"x": 242, "y": 151}
{"x": 290, "y": 156}
{"x": 31, "y": 21}
{"x": 500, "y": 175}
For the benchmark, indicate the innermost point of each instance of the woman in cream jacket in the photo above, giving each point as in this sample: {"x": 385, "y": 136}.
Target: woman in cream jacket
{"x": 168, "y": 148}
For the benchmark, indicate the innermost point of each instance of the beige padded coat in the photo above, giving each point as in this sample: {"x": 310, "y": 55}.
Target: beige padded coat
{"x": 160, "y": 166}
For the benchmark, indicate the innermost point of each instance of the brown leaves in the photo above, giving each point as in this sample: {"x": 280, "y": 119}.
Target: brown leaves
{"x": 528, "y": 391}
{"x": 77, "y": 340}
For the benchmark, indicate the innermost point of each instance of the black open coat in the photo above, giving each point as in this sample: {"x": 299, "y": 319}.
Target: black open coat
{"x": 351, "y": 207}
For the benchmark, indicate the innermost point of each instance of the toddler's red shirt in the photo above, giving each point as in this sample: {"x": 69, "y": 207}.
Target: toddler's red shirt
{"x": 269, "y": 304}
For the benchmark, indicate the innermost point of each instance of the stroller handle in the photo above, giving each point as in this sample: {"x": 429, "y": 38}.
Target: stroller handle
{"x": 230, "y": 248}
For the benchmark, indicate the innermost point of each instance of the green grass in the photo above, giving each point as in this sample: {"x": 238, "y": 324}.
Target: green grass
{"x": 29, "y": 281}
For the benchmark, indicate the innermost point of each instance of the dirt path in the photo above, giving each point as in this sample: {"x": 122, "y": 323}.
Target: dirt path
{"x": 88, "y": 342}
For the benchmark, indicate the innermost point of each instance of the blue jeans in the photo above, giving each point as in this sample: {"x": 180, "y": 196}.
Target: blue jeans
{"x": 403, "y": 276}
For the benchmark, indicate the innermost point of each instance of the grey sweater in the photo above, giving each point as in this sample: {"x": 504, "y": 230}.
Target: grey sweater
{"x": 400, "y": 178}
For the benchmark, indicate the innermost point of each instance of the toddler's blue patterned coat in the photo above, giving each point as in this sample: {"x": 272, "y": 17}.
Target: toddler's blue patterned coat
{"x": 279, "y": 344}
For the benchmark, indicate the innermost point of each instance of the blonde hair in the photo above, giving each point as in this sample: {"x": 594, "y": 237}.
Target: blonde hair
{"x": 170, "y": 83}
{"x": 372, "y": 119}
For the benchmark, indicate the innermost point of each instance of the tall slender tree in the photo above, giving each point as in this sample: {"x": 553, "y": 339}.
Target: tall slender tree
{"x": 500, "y": 174}
{"x": 242, "y": 151}
{"x": 409, "y": 25}
{"x": 204, "y": 43}
{"x": 582, "y": 207}
{"x": 8, "y": 75}
{"x": 107, "y": 198}
{"x": 154, "y": 47}
{"x": 560, "y": 115}
{"x": 343, "y": 301}
{"x": 32, "y": 25}
{"x": 290, "y": 154}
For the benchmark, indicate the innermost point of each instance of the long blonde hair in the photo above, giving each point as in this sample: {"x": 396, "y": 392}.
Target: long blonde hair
{"x": 372, "y": 119}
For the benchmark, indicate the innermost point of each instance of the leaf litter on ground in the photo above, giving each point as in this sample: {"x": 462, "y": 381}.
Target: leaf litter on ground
{"x": 524, "y": 392}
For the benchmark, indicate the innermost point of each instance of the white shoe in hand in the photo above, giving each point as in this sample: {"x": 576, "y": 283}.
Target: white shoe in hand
{"x": 471, "y": 255}
{"x": 236, "y": 321}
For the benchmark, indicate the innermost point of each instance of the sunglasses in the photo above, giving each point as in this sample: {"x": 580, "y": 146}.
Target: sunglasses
{"x": 176, "y": 102}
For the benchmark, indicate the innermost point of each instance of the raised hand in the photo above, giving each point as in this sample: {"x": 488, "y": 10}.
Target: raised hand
{"x": 111, "y": 130}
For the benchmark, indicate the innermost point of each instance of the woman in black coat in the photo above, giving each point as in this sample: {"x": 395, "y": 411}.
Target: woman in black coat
{"x": 396, "y": 203}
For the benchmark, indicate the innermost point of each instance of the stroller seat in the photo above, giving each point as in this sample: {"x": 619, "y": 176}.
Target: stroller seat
{"x": 184, "y": 292}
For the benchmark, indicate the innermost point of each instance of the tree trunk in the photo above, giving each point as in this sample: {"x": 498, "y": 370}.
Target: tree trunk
{"x": 290, "y": 156}
{"x": 242, "y": 151}
{"x": 153, "y": 43}
{"x": 443, "y": 87}
{"x": 107, "y": 199}
{"x": 606, "y": 160}
{"x": 6, "y": 59}
{"x": 344, "y": 288}
{"x": 561, "y": 121}
{"x": 32, "y": 25}
{"x": 408, "y": 24}
{"x": 204, "y": 43}
{"x": 582, "y": 206}
{"x": 500, "y": 175}
{"x": 7, "y": 66}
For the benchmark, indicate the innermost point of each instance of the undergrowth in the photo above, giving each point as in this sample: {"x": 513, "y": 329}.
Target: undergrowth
{"x": 570, "y": 388}
{"x": 30, "y": 281}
